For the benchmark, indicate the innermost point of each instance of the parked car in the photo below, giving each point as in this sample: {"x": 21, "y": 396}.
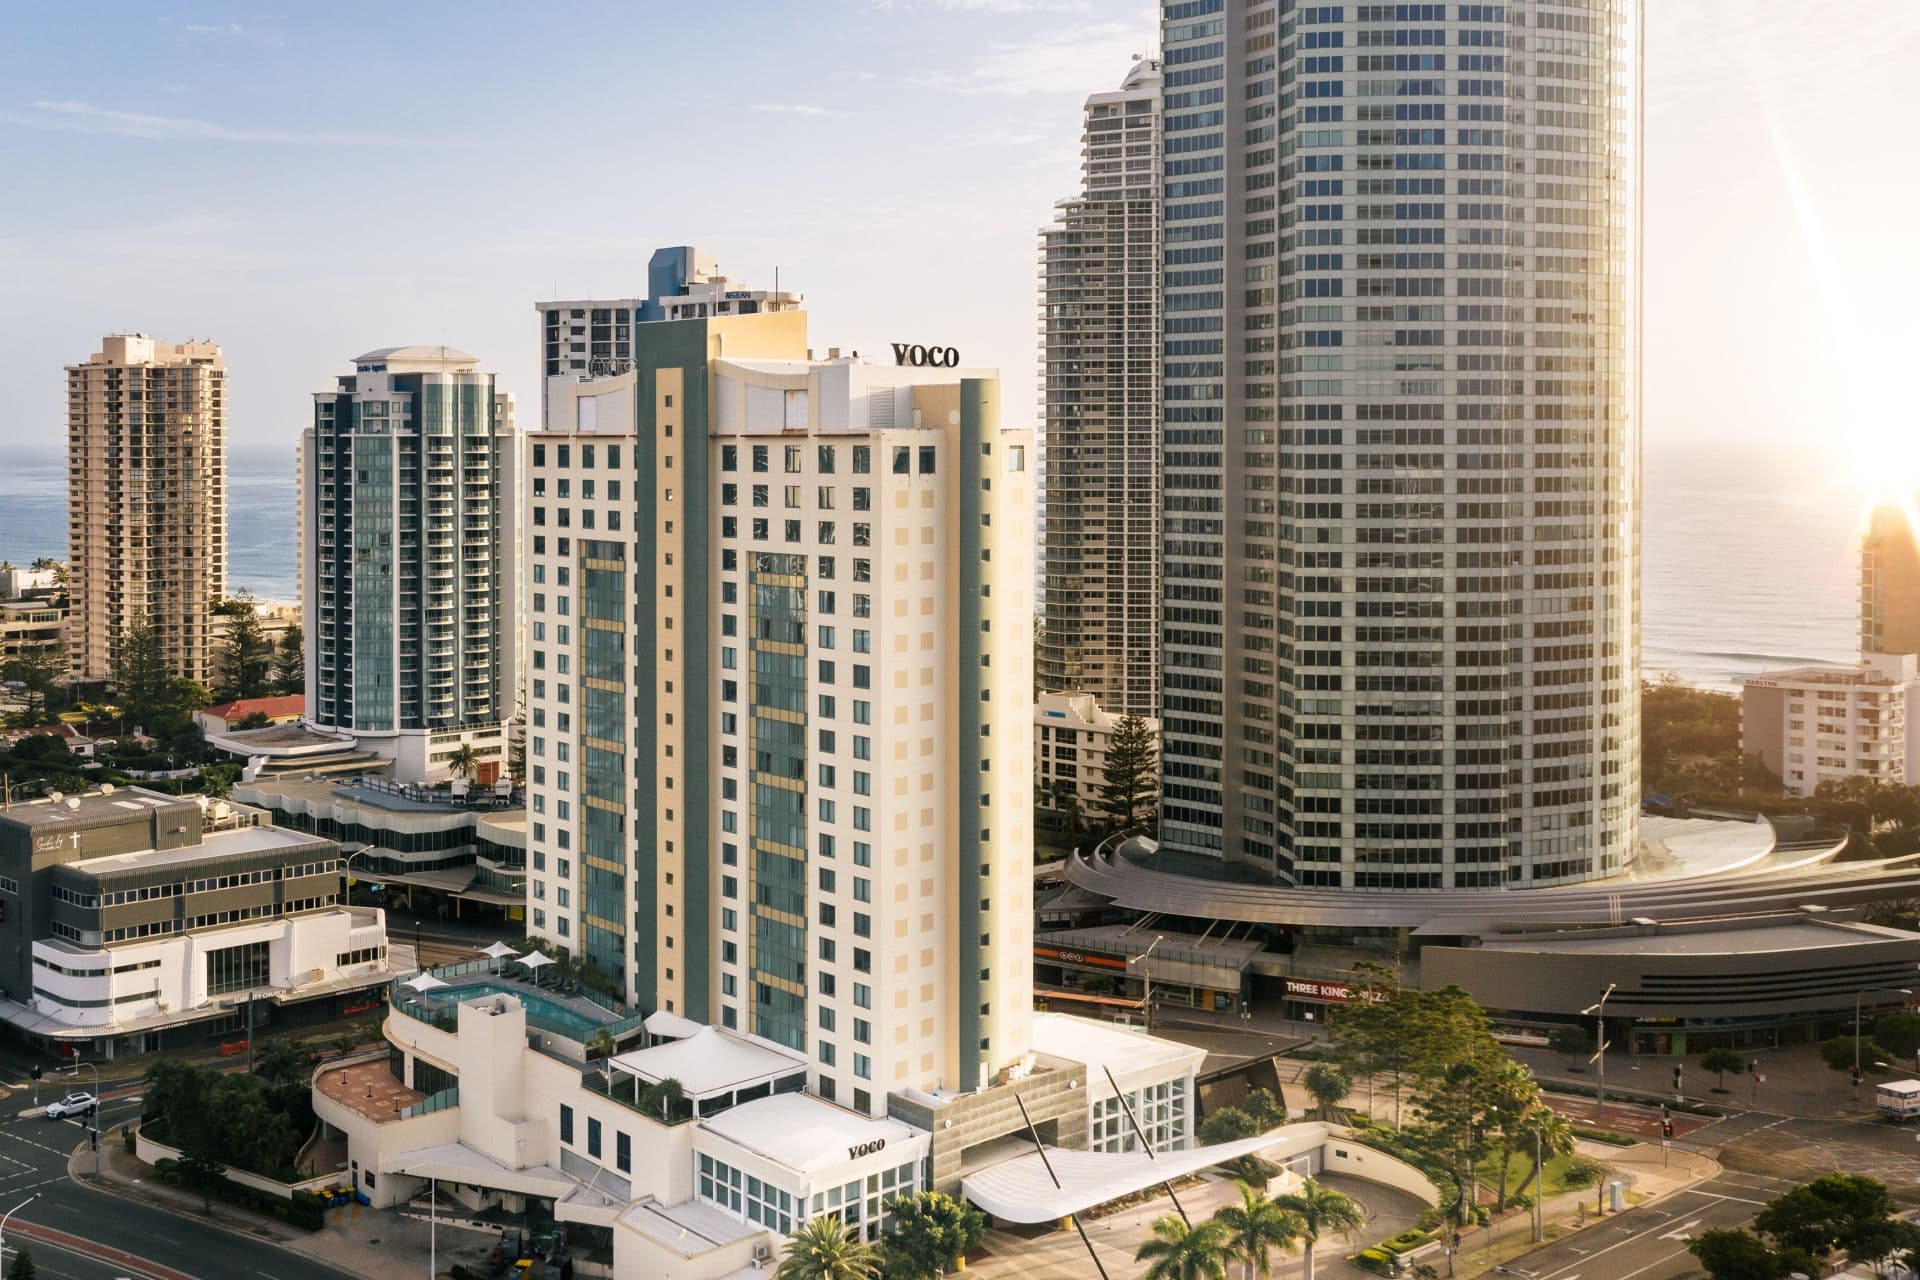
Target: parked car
{"x": 74, "y": 1104}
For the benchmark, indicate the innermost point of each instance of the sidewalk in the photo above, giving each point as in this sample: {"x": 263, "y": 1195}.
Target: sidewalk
{"x": 1651, "y": 1172}
{"x": 376, "y": 1244}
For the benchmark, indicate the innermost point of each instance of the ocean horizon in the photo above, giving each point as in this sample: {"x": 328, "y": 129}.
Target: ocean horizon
{"x": 1740, "y": 573}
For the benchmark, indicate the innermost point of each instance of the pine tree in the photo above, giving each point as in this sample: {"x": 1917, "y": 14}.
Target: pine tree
{"x": 245, "y": 665}
{"x": 141, "y": 682}
{"x": 1128, "y": 774}
{"x": 41, "y": 669}
{"x": 290, "y": 661}
{"x": 22, "y": 1268}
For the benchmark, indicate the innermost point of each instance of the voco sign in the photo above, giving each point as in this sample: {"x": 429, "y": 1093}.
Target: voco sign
{"x": 865, "y": 1148}
{"x": 928, "y": 357}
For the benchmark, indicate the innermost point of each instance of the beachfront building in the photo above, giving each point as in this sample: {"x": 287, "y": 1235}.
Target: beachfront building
{"x": 1810, "y": 725}
{"x": 1100, "y": 347}
{"x": 146, "y": 502}
{"x": 132, "y": 921}
{"x": 409, "y": 578}
{"x": 1401, "y": 439}
{"x": 1890, "y": 582}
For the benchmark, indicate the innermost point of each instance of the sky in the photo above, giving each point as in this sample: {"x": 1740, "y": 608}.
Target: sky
{"x": 305, "y": 182}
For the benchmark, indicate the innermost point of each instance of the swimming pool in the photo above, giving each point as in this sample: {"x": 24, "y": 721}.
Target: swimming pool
{"x": 542, "y": 1013}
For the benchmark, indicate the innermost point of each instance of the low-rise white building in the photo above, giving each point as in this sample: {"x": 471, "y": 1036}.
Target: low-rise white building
{"x": 130, "y": 921}
{"x": 1070, "y": 738}
{"x": 488, "y": 1092}
{"x": 1810, "y": 725}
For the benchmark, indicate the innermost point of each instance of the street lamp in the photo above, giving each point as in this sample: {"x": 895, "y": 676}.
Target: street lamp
{"x": 1903, "y": 991}
{"x": 1146, "y": 975}
{"x": 3, "y": 1222}
{"x": 1599, "y": 1011}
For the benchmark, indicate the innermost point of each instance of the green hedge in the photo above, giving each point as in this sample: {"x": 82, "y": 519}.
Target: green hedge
{"x": 305, "y": 1209}
{"x": 1374, "y": 1259}
{"x": 1411, "y": 1238}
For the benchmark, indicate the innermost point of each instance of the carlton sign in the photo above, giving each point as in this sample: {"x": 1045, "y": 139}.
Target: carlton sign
{"x": 926, "y": 357}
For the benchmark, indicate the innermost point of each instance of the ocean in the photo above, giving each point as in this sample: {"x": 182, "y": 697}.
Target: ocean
{"x": 262, "y": 518}
{"x": 1739, "y": 573}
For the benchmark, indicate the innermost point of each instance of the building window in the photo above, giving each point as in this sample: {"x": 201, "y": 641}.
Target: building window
{"x": 238, "y": 968}
{"x": 566, "y": 1125}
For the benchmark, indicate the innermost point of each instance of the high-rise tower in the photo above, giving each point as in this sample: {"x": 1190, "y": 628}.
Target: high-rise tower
{"x": 146, "y": 501}
{"x": 1100, "y": 340}
{"x": 1890, "y": 582}
{"x": 409, "y": 480}
{"x": 1402, "y": 438}
{"x": 779, "y": 698}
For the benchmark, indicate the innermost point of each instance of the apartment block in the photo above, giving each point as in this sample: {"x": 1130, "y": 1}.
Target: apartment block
{"x": 1401, "y": 428}
{"x": 409, "y": 575}
{"x": 146, "y": 501}
{"x": 1100, "y": 348}
{"x": 1811, "y": 725}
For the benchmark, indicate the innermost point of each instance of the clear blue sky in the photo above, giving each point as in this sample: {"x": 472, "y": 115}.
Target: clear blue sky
{"x": 306, "y": 182}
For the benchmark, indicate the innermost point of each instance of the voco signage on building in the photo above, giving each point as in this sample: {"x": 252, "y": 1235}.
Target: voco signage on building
{"x": 865, "y": 1148}
{"x": 928, "y": 357}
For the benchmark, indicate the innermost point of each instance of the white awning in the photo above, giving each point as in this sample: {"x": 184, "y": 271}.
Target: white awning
{"x": 499, "y": 951}
{"x": 534, "y": 959}
{"x": 424, "y": 982}
{"x": 671, "y": 1026}
{"x": 1021, "y": 1190}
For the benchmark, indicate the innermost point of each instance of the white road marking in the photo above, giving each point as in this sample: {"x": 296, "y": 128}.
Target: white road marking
{"x": 1682, "y": 1232}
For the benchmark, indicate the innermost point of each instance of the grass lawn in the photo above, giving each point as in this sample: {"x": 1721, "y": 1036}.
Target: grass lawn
{"x": 1519, "y": 1165}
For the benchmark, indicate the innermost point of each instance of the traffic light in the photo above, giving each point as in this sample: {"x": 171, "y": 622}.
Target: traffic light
{"x": 1676, "y": 1075}
{"x": 1666, "y": 1129}
{"x": 1856, "y": 1077}
{"x": 36, "y": 1075}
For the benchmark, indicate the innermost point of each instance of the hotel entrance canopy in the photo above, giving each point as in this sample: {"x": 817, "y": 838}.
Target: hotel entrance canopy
{"x": 1022, "y": 1190}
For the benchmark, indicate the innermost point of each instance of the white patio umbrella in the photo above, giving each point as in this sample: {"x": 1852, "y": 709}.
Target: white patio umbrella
{"x": 498, "y": 951}
{"x": 424, "y": 982}
{"x": 534, "y": 960}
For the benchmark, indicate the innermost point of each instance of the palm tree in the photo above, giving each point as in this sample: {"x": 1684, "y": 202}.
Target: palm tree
{"x": 1180, "y": 1252}
{"x": 464, "y": 762}
{"x": 1556, "y": 1137}
{"x": 825, "y": 1249}
{"x": 1323, "y": 1211}
{"x": 1258, "y": 1226}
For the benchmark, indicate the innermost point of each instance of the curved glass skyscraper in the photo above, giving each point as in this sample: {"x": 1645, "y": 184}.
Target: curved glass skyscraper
{"x": 1401, "y": 439}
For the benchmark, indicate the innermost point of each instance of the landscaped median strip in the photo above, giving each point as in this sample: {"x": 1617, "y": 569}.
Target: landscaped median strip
{"x": 119, "y": 1258}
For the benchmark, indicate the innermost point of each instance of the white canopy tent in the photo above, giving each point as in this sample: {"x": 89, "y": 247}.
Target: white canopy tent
{"x": 425, "y": 982}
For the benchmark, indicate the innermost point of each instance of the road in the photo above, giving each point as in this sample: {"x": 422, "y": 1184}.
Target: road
{"x": 1650, "y": 1243}
{"x": 33, "y": 1162}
